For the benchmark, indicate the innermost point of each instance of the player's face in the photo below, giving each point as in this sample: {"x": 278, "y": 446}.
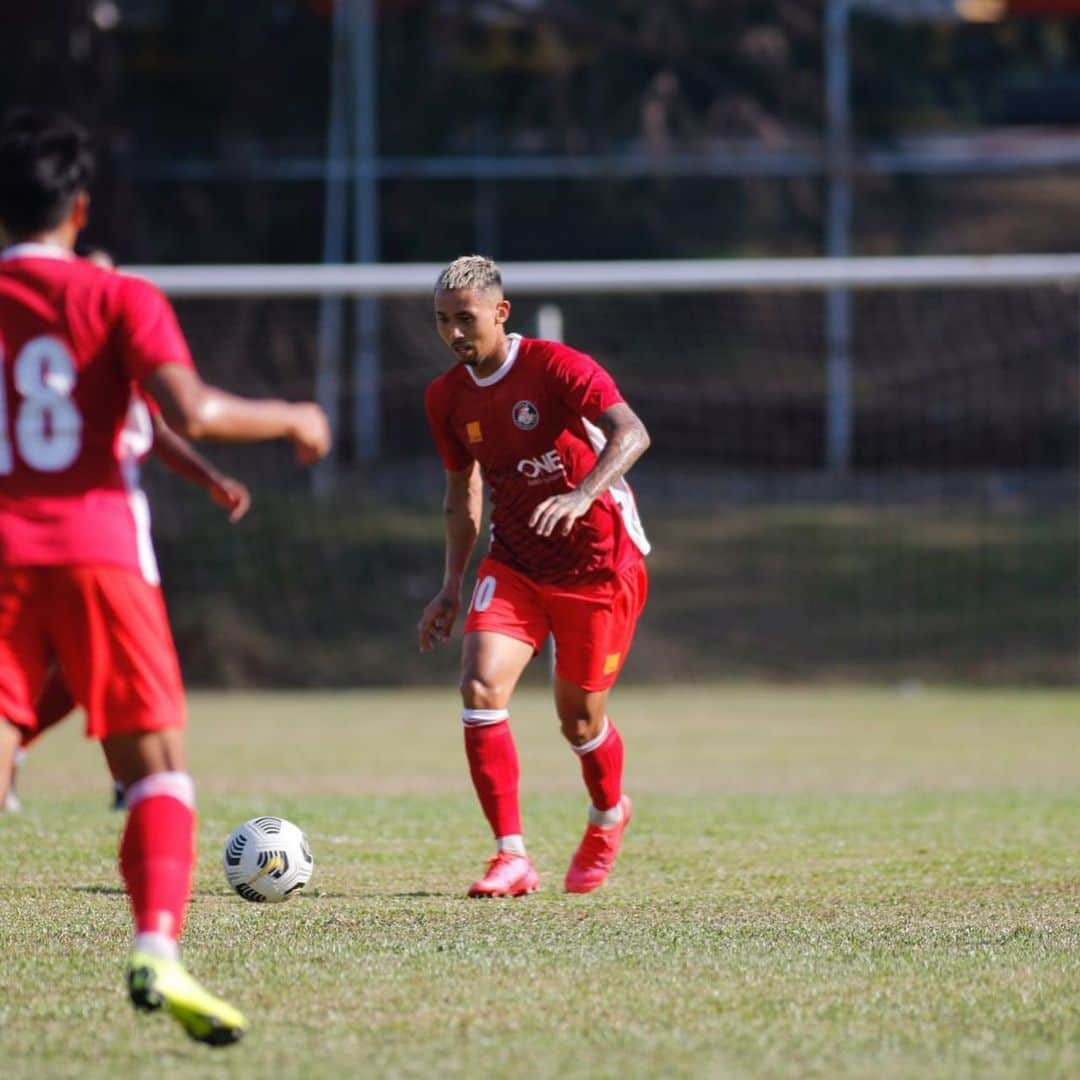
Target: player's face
{"x": 471, "y": 323}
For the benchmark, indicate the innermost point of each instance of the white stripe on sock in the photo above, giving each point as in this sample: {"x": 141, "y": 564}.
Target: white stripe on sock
{"x": 483, "y": 717}
{"x": 605, "y": 819}
{"x": 175, "y": 785}
{"x": 160, "y": 945}
{"x": 592, "y": 744}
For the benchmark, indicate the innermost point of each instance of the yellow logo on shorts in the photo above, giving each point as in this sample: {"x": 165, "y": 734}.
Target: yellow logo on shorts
{"x": 472, "y": 429}
{"x": 611, "y": 662}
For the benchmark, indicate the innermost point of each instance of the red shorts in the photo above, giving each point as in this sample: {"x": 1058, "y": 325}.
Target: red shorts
{"x": 106, "y": 626}
{"x": 593, "y": 625}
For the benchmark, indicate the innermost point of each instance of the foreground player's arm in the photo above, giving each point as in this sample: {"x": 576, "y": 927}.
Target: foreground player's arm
{"x": 196, "y": 410}
{"x": 463, "y": 507}
{"x": 627, "y": 440}
{"x": 183, "y": 459}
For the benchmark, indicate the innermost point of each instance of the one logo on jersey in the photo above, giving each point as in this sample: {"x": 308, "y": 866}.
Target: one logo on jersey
{"x": 526, "y": 415}
{"x": 542, "y": 467}
{"x": 472, "y": 430}
{"x": 611, "y": 663}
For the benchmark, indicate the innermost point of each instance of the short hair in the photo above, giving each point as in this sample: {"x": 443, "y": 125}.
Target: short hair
{"x": 46, "y": 159}
{"x": 470, "y": 272}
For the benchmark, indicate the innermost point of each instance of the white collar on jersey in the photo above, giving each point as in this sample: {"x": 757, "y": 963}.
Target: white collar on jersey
{"x": 36, "y": 251}
{"x": 504, "y": 368}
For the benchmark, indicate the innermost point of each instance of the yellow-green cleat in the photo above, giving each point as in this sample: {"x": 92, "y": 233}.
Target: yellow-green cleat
{"x": 155, "y": 984}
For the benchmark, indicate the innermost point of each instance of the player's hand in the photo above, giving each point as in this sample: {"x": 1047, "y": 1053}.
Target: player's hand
{"x": 560, "y": 512}
{"x": 233, "y": 496}
{"x": 438, "y": 620}
{"x": 310, "y": 433}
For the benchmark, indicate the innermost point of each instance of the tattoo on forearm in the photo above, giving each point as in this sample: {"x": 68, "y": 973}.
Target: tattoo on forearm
{"x": 623, "y": 448}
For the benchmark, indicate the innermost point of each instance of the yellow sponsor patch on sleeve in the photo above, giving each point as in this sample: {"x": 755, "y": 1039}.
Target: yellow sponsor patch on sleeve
{"x": 472, "y": 429}
{"x": 611, "y": 662}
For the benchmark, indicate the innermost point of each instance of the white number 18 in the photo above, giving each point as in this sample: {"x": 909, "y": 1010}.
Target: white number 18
{"x": 48, "y": 425}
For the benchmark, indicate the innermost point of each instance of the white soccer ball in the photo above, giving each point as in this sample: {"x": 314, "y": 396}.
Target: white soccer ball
{"x": 267, "y": 859}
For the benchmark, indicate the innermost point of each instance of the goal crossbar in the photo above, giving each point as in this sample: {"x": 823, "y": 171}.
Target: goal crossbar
{"x": 625, "y": 277}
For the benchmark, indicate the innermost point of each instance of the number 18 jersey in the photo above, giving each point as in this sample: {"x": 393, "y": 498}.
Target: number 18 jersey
{"x": 74, "y": 339}
{"x": 532, "y": 427}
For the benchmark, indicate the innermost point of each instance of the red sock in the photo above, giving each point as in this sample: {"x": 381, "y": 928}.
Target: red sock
{"x": 601, "y": 766}
{"x": 157, "y": 851}
{"x": 493, "y": 764}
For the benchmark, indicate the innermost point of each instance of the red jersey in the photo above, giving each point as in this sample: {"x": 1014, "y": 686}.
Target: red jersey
{"x": 74, "y": 338}
{"x": 532, "y": 427}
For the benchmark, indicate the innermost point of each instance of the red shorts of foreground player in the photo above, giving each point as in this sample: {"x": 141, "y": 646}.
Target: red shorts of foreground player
{"x": 106, "y": 626}
{"x": 593, "y": 625}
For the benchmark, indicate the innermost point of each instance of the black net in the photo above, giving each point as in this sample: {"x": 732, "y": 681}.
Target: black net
{"x": 948, "y": 549}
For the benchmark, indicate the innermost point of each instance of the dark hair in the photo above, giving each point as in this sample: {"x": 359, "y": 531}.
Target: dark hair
{"x": 46, "y": 159}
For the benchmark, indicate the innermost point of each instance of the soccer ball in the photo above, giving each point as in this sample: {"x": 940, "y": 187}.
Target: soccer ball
{"x": 267, "y": 859}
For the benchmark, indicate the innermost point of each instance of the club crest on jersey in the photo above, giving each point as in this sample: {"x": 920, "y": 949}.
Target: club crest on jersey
{"x": 525, "y": 415}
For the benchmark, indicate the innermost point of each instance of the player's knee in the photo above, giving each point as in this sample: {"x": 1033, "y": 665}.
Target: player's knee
{"x": 579, "y": 729}
{"x": 478, "y": 693}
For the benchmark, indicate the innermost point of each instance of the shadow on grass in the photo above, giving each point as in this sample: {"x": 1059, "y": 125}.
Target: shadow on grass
{"x": 418, "y": 895}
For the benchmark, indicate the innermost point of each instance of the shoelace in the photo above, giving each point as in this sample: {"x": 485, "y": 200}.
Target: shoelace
{"x": 500, "y": 857}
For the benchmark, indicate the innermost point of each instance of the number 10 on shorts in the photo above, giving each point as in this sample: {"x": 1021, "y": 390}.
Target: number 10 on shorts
{"x": 483, "y": 594}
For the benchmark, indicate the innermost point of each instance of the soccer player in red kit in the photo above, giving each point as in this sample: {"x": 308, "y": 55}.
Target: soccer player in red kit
{"x": 74, "y": 338}
{"x": 547, "y": 429}
{"x": 144, "y": 431}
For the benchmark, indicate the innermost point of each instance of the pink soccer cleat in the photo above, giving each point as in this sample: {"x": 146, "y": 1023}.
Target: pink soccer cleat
{"x": 508, "y": 874}
{"x": 595, "y": 856}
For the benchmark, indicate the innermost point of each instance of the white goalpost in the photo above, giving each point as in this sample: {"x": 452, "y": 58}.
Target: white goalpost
{"x": 625, "y": 276}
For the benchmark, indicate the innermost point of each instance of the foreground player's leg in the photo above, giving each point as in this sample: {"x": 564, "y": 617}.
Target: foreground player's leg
{"x": 493, "y": 664}
{"x": 598, "y": 744}
{"x": 157, "y": 853}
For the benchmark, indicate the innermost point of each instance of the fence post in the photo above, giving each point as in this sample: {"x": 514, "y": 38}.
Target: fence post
{"x": 838, "y": 385}
{"x": 367, "y": 365}
{"x": 335, "y": 217}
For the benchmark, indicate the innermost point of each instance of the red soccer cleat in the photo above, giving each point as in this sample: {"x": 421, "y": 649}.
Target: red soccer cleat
{"x": 595, "y": 856}
{"x": 508, "y": 874}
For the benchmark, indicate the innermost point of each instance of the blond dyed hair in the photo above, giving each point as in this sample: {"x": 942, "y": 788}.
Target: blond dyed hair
{"x": 470, "y": 272}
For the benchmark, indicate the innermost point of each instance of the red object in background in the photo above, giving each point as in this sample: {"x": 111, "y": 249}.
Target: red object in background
{"x": 992, "y": 10}
{"x": 1042, "y": 7}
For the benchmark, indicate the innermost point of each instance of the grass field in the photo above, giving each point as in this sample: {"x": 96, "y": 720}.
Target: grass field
{"x": 825, "y": 882}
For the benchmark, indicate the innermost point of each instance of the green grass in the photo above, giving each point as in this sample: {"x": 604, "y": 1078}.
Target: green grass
{"x": 818, "y": 882}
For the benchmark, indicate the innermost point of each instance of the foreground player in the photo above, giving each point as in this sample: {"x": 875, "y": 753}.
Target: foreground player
{"x": 550, "y": 433}
{"x": 73, "y": 340}
{"x": 144, "y": 431}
